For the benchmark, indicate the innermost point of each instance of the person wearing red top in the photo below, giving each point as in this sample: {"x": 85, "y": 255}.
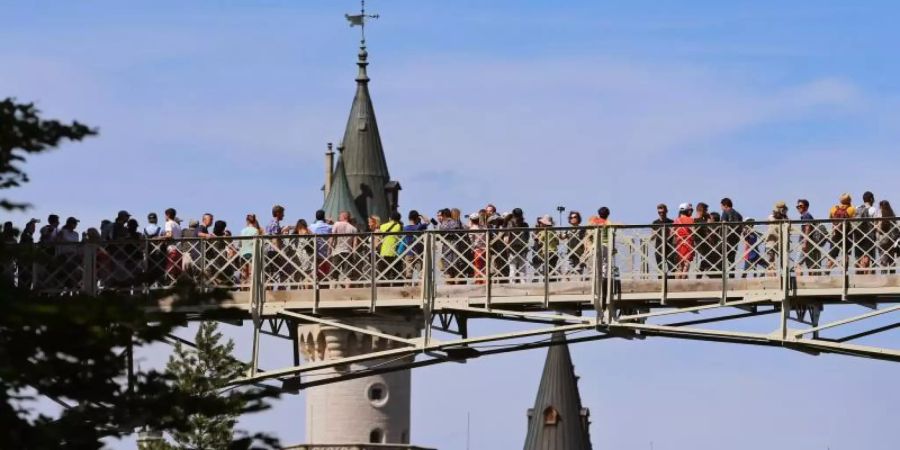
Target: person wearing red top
{"x": 602, "y": 217}
{"x": 684, "y": 239}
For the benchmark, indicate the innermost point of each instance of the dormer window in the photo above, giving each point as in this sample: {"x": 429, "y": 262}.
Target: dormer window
{"x": 551, "y": 416}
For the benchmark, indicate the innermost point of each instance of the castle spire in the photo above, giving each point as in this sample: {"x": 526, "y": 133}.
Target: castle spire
{"x": 363, "y": 158}
{"x": 557, "y": 420}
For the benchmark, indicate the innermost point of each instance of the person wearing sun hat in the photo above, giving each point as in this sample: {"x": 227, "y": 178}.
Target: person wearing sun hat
{"x": 546, "y": 242}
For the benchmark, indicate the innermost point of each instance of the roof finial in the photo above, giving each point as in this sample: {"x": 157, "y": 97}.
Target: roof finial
{"x": 360, "y": 19}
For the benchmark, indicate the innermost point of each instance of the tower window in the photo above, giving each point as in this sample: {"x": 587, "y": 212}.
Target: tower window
{"x": 377, "y": 393}
{"x": 376, "y": 436}
{"x": 551, "y": 416}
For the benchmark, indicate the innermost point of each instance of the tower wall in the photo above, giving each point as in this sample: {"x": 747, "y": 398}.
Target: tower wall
{"x": 363, "y": 409}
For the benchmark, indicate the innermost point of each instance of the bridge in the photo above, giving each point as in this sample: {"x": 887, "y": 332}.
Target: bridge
{"x": 699, "y": 282}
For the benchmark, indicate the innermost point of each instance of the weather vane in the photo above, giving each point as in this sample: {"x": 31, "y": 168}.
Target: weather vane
{"x": 360, "y": 19}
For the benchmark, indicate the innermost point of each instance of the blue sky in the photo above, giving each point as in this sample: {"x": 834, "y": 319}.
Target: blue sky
{"x": 226, "y": 106}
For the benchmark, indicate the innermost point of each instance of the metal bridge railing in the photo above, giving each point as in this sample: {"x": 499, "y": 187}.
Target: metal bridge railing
{"x": 489, "y": 264}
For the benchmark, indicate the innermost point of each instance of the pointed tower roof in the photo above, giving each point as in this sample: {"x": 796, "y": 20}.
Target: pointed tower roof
{"x": 557, "y": 420}
{"x": 339, "y": 196}
{"x": 364, "y": 161}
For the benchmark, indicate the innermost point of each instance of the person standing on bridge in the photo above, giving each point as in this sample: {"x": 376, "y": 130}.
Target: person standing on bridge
{"x": 811, "y": 237}
{"x": 206, "y": 222}
{"x": 321, "y": 228}
{"x": 684, "y": 239}
{"x": 172, "y": 231}
{"x": 516, "y": 240}
{"x": 411, "y": 248}
{"x": 703, "y": 236}
{"x": 733, "y": 230}
{"x": 343, "y": 244}
{"x": 151, "y": 230}
{"x": 666, "y": 258}
{"x": 250, "y": 231}
{"x": 843, "y": 210}
{"x": 390, "y": 267}
{"x": 889, "y": 236}
{"x": 575, "y": 244}
{"x": 864, "y": 235}
{"x": 48, "y": 232}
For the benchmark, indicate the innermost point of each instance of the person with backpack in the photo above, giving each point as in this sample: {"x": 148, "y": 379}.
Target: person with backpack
{"x": 864, "y": 235}
{"x": 838, "y": 213}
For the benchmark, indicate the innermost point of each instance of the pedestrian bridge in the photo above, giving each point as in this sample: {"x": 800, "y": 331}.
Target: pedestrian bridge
{"x": 610, "y": 281}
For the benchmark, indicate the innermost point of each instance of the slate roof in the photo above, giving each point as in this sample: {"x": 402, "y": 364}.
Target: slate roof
{"x": 364, "y": 161}
{"x": 340, "y": 197}
{"x": 558, "y": 390}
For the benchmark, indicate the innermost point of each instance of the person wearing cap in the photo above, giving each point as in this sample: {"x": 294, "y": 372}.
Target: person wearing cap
{"x": 684, "y": 239}
{"x": 151, "y": 230}
{"x": 546, "y": 242}
{"x": 773, "y": 233}
{"x": 478, "y": 223}
{"x": 49, "y": 231}
{"x": 119, "y": 230}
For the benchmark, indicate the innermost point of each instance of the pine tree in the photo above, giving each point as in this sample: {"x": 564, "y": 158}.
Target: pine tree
{"x": 73, "y": 349}
{"x": 202, "y": 372}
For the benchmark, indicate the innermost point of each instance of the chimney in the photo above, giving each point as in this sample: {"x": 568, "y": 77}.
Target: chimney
{"x": 329, "y": 169}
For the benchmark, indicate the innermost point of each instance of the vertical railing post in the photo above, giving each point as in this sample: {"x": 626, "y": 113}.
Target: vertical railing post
{"x": 257, "y": 294}
{"x": 610, "y": 272}
{"x": 664, "y": 290}
{"x": 723, "y": 264}
{"x": 89, "y": 269}
{"x": 427, "y": 287}
{"x": 545, "y": 244}
{"x": 596, "y": 278}
{"x": 203, "y": 263}
{"x": 845, "y": 262}
{"x": 315, "y": 273}
{"x": 488, "y": 268}
{"x": 373, "y": 271}
{"x": 784, "y": 251}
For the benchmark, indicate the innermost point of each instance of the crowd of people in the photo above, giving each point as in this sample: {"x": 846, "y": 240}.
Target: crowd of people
{"x": 341, "y": 250}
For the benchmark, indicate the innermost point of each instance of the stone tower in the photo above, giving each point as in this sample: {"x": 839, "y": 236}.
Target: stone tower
{"x": 557, "y": 420}
{"x": 374, "y": 409}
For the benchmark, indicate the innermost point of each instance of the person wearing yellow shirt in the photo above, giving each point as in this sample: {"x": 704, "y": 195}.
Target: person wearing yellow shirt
{"x": 390, "y": 267}
{"x": 843, "y": 210}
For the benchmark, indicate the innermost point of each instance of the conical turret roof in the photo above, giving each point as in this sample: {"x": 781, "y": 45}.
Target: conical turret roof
{"x": 364, "y": 161}
{"x": 339, "y": 196}
{"x": 557, "y": 420}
